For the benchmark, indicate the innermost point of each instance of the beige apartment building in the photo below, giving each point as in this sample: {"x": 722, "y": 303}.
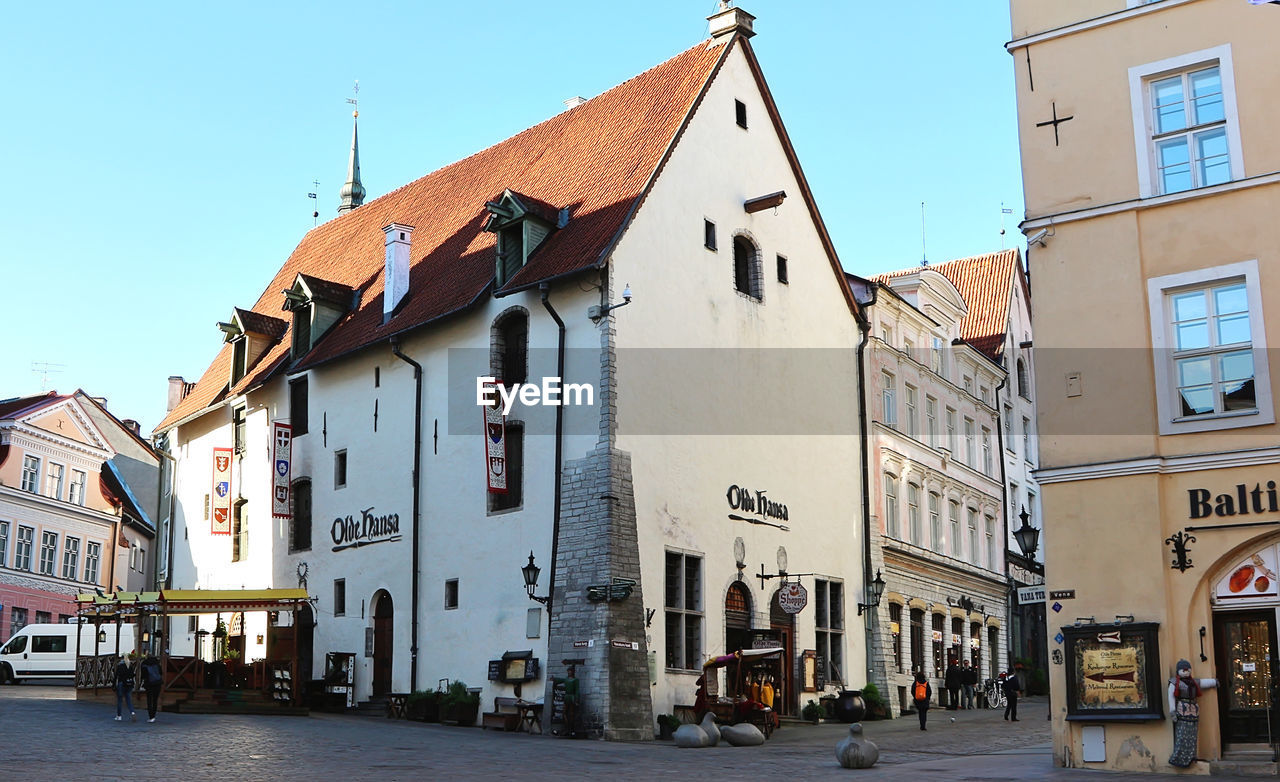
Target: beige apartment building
{"x": 1151, "y": 165}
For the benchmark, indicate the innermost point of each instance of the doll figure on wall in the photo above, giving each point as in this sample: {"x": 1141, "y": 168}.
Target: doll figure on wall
{"x": 1184, "y": 694}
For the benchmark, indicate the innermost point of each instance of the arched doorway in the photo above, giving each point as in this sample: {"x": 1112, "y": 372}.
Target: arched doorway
{"x": 383, "y": 627}
{"x": 1246, "y": 607}
{"x": 784, "y": 626}
{"x": 304, "y": 636}
{"x": 737, "y": 626}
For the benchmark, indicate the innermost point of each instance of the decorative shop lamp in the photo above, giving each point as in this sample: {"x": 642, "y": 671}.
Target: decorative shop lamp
{"x": 874, "y": 591}
{"x": 1026, "y": 535}
{"x": 102, "y": 636}
{"x": 530, "y": 573}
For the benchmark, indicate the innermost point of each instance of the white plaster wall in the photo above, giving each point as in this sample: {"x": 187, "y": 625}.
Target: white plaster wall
{"x": 685, "y": 297}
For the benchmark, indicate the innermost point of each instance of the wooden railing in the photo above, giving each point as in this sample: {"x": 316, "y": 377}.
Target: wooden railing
{"x": 96, "y": 672}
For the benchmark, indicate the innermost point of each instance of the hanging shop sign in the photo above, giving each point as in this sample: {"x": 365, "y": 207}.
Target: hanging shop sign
{"x": 937, "y": 636}
{"x": 1113, "y": 674}
{"x": 1033, "y": 594}
{"x": 221, "y": 516}
{"x": 756, "y": 503}
{"x": 1253, "y": 576}
{"x": 793, "y": 597}
{"x": 281, "y": 456}
{"x": 367, "y": 529}
{"x": 495, "y": 448}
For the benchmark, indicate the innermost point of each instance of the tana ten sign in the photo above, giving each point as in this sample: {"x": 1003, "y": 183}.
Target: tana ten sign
{"x": 350, "y": 532}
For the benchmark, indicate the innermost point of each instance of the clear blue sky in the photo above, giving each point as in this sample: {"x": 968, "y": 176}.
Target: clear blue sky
{"x": 158, "y": 156}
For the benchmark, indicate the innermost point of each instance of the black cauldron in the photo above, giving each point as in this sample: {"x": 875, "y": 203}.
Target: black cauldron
{"x": 850, "y": 707}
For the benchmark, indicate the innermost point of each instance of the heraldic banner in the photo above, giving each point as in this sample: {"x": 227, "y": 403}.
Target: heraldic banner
{"x": 281, "y": 456}
{"x": 495, "y": 442}
{"x": 221, "y": 491}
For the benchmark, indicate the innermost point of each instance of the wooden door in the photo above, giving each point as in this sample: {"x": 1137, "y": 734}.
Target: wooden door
{"x": 1246, "y": 644}
{"x": 784, "y": 625}
{"x": 382, "y": 645}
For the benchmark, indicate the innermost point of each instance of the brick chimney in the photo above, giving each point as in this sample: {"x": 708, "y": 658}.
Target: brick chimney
{"x": 177, "y": 390}
{"x": 396, "y": 280}
{"x": 729, "y": 20}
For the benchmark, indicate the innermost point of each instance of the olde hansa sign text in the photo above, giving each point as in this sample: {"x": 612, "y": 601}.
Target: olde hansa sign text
{"x": 364, "y": 529}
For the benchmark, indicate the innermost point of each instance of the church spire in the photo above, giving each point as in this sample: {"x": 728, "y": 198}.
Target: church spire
{"x": 353, "y": 191}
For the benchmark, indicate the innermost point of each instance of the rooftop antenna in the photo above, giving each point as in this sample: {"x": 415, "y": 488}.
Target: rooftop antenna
{"x": 1003, "y": 212}
{"x": 315, "y": 213}
{"x": 44, "y": 369}
{"x": 924, "y": 256}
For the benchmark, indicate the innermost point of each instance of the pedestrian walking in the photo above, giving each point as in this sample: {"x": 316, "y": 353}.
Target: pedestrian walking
{"x": 969, "y": 681}
{"x": 921, "y": 692}
{"x": 1012, "y": 689}
{"x": 152, "y": 678}
{"x": 124, "y": 690}
{"x": 952, "y": 682}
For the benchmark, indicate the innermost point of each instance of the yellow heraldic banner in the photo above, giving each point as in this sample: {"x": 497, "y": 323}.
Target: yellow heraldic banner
{"x": 1110, "y": 676}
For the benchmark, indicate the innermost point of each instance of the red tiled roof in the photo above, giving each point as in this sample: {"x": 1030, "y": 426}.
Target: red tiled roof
{"x": 595, "y": 159}
{"x": 985, "y": 283}
{"x": 12, "y": 408}
{"x": 257, "y": 323}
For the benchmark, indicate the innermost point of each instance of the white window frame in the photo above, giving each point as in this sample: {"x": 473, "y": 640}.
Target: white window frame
{"x": 54, "y": 471}
{"x": 75, "y": 492}
{"x": 911, "y": 401}
{"x": 23, "y": 547}
{"x": 986, "y": 451}
{"x": 1158, "y": 302}
{"x": 1140, "y": 79}
{"x": 970, "y": 447}
{"x": 975, "y": 554}
{"x": 48, "y": 552}
{"x": 92, "y": 559}
{"x": 30, "y": 478}
{"x": 685, "y": 609}
{"x": 951, "y": 430}
{"x": 931, "y": 420}
{"x": 70, "y": 557}
{"x": 4, "y": 544}
{"x": 953, "y": 520}
{"x": 889, "y": 397}
{"x": 913, "y": 514}
{"x": 935, "y": 521}
{"x": 891, "y": 525}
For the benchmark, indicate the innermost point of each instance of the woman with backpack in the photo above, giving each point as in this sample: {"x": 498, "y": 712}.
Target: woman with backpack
{"x": 921, "y": 692}
{"x": 152, "y": 678}
{"x": 124, "y": 690}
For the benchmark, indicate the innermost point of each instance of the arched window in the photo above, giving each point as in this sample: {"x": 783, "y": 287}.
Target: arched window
{"x": 737, "y": 606}
{"x": 746, "y": 267}
{"x": 509, "y": 347}
{"x": 1024, "y": 380}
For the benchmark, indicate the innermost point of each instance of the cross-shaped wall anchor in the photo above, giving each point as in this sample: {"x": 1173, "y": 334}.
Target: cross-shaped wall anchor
{"x": 1055, "y": 122}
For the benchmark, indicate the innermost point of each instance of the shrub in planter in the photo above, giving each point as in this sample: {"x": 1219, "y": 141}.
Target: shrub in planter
{"x": 812, "y": 712}
{"x": 459, "y": 706}
{"x": 423, "y": 705}
{"x": 667, "y": 724}
{"x": 876, "y": 707}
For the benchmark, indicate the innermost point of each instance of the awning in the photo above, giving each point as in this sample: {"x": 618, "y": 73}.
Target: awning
{"x": 191, "y": 601}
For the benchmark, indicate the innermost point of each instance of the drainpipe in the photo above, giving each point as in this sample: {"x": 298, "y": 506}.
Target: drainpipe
{"x": 168, "y": 532}
{"x": 864, "y": 326}
{"x": 417, "y": 506}
{"x": 545, "y": 290}
{"x": 1004, "y": 516}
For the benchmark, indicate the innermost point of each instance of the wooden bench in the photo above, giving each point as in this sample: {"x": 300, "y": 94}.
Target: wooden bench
{"x": 505, "y": 715}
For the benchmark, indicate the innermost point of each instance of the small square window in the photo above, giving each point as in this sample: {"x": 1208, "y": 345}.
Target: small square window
{"x": 339, "y": 597}
{"x": 238, "y": 428}
{"x": 709, "y": 235}
{"x": 451, "y": 593}
{"x": 782, "y": 269}
{"x": 339, "y": 469}
{"x": 740, "y": 113}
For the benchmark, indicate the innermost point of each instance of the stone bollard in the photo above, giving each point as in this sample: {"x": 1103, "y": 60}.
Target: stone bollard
{"x": 855, "y": 751}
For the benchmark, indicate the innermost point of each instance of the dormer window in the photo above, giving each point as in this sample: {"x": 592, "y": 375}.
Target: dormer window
{"x": 250, "y": 335}
{"x": 521, "y": 223}
{"x": 239, "y": 358}
{"x": 317, "y": 305}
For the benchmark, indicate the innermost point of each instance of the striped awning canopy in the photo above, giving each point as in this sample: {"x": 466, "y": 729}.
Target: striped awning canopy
{"x": 191, "y": 601}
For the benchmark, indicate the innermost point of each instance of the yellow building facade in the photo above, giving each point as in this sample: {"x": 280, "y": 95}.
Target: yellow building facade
{"x": 1151, "y": 166}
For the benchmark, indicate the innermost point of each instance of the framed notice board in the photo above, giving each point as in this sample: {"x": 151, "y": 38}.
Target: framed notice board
{"x": 1113, "y": 672}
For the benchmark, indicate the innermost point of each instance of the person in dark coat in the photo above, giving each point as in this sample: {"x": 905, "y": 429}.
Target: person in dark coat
{"x": 152, "y": 678}
{"x": 921, "y": 692}
{"x": 952, "y": 682}
{"x": 124, "y": 690}
{"x": 969, "y": 681}
{"x": 1012, "y": 689}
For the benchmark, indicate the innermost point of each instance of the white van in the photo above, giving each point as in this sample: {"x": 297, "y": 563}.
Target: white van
{"x": 49, "y": 650}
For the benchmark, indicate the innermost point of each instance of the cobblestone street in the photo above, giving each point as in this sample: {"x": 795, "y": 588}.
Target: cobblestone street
{"x": 48, "y": 734}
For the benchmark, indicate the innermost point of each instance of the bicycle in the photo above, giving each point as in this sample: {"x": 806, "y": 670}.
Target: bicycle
{"x": 994, "y": 694}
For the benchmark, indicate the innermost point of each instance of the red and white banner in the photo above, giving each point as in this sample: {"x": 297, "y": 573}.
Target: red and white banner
{"x": 221, "y": 492}
{"x": 495, "y": 447}
{"x": 281, "y": 456}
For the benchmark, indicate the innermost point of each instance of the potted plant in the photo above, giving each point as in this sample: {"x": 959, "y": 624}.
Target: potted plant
{"x": 875, "y": 703}
{"x": 423, "y": 705}
{"x": 812, "y": 712}
{"x": 459, "y": 706}
{"x": 667, "y": 724}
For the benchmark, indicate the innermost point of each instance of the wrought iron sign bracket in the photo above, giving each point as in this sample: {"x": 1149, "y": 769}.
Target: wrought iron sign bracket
{"x": 1181, "y": 553}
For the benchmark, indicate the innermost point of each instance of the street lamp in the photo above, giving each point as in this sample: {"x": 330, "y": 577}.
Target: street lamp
{"x": 530, "y": 573}
{"x": 1026, "y": 535}
{"x": 874, "y": 590}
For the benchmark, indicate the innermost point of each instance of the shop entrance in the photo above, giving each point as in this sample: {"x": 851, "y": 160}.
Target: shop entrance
{"x": 1245, "y": 646}
{"x": 382, "y": 643}
{"x": 737, "y": 625}
{"x": 784, "y": 625}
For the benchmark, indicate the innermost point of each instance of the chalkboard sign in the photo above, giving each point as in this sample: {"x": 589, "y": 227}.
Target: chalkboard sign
{"x": 820, "y": 672}
{"x": 495, "y": 670}
{"x": 557, "y": 701}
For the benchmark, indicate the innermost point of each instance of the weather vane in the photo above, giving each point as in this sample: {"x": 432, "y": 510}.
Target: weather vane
{"x": 356, "y": 100}
{"x": 315, "y": 213}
